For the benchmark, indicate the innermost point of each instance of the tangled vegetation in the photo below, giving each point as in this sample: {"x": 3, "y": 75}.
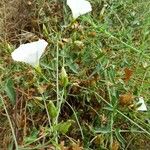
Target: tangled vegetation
{"x": 94, "y": 71}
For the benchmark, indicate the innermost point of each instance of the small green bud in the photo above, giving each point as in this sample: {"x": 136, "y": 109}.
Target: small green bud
{"x": 52, "y": 110}
{"x": 64, "y": 77}
{"x": 38, "y": 69}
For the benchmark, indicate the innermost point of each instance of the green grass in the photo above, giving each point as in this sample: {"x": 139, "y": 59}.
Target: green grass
{"x": 43, "y": 111}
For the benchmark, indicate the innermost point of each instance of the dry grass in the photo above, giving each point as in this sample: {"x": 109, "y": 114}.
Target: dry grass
{"x": 16, "y": 18}
{"x": 22, "y": 21}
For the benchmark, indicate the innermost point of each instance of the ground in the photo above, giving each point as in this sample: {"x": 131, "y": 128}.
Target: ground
{"x": 93, "y": 105}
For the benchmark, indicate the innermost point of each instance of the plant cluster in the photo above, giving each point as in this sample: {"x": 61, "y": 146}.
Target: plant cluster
{"x": 82, "y": 84}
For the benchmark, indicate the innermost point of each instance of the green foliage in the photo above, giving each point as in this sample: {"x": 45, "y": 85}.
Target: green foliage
{"x": 95, "y": 50}
{"x": 32, "y": 137}
{"x": 63, "y": 127}
{"x": 10, "y": 91}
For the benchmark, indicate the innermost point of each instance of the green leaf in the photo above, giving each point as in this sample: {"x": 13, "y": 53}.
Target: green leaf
{"x": 45, "y": 30}
{"x": 120, "y": 138}
{"x": 72, "y": 66}
{"x": 32, "y": 137}
{"x": 104, "y": 130}
{"x": 52, "y": 110}
{"x": 10, "y": 91}
{"x": 63, "y": 127}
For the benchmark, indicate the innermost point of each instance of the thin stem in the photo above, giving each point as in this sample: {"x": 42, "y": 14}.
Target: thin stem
{"x": 38, "y": 71}
{"x": 48, "y": 80}
{"x": 118, "y": 111}
{"x": 144, "y": 76}
{"x": 11, "y": 126}
{"x": 127, "y": 45}
{"x": 120, "y": 131}
{"x": 57, "y": 74}
{"x": 60, "y": 104}
{"x": 45, "y": 105}
{"x": 112, "y": 115}
{"x": 133, "y": 122}
{"x": 117, "y": 39}
{"x": 57, "y": 87}
{"x": 76, "y": 119}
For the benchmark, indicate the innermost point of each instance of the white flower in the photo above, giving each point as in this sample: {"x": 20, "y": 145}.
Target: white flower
{"x": 30, "y": 53}
{"x": 142, "y": 106}
{"x": 79, "y": 7}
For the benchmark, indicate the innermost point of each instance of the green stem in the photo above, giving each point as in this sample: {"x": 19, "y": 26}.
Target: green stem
{"x": 11, "y": 126}
{"x": 112, "y": 115}
{"x": 76, "y": 119}
{"x": 57, "y": 87}
{"x": 39, "y": 72}
{"x": 45, "y": 105}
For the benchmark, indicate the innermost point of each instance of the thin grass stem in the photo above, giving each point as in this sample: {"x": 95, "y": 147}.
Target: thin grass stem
{"x": 11, "y": 126}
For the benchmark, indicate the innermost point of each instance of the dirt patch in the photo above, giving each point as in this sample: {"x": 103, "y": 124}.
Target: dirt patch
{"x": 24, "y": 19}
{"x": 16, "y": 17}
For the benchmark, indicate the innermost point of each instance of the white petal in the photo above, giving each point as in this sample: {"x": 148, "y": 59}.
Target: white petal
{"x": 30, "y": 53}
{"x": 79, "y": 7}
{"x": 143, "y": 106}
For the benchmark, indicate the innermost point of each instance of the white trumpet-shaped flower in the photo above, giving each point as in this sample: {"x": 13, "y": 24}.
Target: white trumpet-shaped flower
{"x": 30, "y": 53}
{"x": 142, "y": 106}
{"x": 79, "y": 7}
